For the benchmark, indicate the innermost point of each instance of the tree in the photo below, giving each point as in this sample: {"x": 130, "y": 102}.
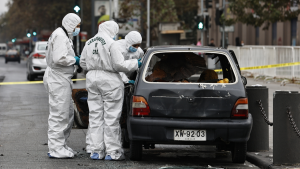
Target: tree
{"x": 258, "y": 12}
{"x": 160, "y": 11}
{"x": 37, "y": 14}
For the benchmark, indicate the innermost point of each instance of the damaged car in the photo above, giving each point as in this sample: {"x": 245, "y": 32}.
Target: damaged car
{"x": 184, "y": 95}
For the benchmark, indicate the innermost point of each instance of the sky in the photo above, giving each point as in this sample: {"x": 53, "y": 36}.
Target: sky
{"x": 3, "y": 7}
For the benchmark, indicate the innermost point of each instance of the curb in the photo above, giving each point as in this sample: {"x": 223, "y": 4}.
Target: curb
{"x": 259, "y": 161}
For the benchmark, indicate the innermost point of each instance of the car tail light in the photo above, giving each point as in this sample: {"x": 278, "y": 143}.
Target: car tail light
{"x": 36, "y": 68}
{"x": 240, "y": 109}
{"x": 39, "y": 56}
{"x": 140, "y": 106}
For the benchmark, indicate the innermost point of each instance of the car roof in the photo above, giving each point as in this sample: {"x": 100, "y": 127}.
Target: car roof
{"x": 41, "y": 42}
{"x": 187, "y": 47}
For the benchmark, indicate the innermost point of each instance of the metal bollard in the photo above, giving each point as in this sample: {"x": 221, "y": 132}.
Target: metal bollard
{"x": 259, "y": 137}
{"x": 286, "y": 140}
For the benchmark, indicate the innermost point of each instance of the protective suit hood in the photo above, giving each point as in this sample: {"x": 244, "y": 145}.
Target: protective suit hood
{"x": 70, "y": 21}
{"x": 110, "y": 28}
{"x": 132, "y": 38}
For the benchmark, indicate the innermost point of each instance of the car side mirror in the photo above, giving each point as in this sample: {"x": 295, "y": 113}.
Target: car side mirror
{"x": 244, "y": 79}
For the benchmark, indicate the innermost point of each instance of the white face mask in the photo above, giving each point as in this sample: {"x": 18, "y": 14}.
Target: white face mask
{"x": 76, "y": 32}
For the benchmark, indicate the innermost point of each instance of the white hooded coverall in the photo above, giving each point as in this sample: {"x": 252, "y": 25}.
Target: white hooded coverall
{"x": 131, "y": 38}
{"x": 57, "y": 81}
{"x": 102, "y": 58}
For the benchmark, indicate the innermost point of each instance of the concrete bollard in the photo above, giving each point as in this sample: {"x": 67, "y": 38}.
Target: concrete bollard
{"x": 259, "y": 137}
{"x": 286, "y": 142}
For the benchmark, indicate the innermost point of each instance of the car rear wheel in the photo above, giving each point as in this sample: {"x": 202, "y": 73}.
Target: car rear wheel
{"x": 125, "y": 143}
{"x": 136, "y": 151}
{"x": 19, "y": 61}
{"x": 30, "y": 77}
{"x": 77, "y": 118}
{"x": 238, "y": 152}
{"x": 5, "y": 61}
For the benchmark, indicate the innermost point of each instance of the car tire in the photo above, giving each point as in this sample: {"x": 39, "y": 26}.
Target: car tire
{"x": 5, "y": 61}
{"x": 238, "y": 152}
{"x": 136, "y": 151}
{"x": 19, "y": 61}
{"x": 77, "y": 118}
{"x": 74, "y": 77}
{"x": 125, "y": 143}
{"x": 30, "y": 77}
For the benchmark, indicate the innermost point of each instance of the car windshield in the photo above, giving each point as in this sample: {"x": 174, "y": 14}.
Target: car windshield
{"x": 189, "y": 67}
{"x": 42, "y": 46}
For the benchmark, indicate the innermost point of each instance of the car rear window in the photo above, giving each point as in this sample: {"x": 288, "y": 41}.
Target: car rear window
{"x": 42, "y": 46}
{"x": 189, "y": 67}
{"x": 12, "y": 52}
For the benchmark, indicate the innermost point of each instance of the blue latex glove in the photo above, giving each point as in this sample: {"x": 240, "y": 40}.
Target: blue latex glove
{"x": 139, "y": 63}
{"x": 77, "y": 60}
{"x": 131, "y": 81}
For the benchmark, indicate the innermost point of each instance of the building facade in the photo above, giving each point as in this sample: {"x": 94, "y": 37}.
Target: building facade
{"x": 279, "y": 33}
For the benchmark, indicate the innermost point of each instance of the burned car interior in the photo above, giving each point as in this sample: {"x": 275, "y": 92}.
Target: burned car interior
{"x": 189, "y": 67}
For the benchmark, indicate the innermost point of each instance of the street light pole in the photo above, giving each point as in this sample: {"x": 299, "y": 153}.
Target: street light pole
{"x": 223, "y": 35}
{"x": 148, "y": 23}
{"x": 202, "y": 17}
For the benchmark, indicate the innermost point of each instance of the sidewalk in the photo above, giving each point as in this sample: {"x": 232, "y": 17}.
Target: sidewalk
{"x": 265, "y": 159}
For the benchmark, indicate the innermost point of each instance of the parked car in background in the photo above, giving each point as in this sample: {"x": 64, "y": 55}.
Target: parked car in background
{"x": 3, "y": 49}
{"x": 184, "y": 95}
{"x": 36, "y": 63}
{"x": 12, "y": 55}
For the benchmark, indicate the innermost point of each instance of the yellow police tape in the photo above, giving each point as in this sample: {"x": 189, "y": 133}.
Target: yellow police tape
{"x": 217, "y": 70}
{"x": 32, "y": 82}
{"x": 267, "y": 66}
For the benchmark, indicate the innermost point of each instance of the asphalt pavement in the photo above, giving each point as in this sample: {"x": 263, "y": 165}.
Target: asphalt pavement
{"x": 23, "y": 133}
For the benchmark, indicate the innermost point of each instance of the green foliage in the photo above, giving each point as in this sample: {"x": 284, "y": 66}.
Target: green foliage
{"x": 258, "y": 12}
{"x": 186, "y": 11}
{"x": 46, "y": 14}
{"x": 160, "y": 11}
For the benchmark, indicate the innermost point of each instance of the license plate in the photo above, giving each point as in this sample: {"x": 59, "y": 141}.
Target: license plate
{"x": 190, "y": 135}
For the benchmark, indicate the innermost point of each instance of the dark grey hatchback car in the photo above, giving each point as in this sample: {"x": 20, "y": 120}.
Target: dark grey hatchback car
{"x": 187, "y": 95}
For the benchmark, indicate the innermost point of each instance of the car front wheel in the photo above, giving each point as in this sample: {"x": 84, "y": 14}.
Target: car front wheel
{"x": 30, "y": 77}
{"x": 238, "y": 152}
{"x": 136, "y": 151}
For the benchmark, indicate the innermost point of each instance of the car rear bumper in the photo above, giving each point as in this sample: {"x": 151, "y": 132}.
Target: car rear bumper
{"x": 161, "y": 130}
{"x": 15, "y": 58}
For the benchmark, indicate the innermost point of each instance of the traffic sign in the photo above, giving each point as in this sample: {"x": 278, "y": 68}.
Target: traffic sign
{"x": 227, "y": 28}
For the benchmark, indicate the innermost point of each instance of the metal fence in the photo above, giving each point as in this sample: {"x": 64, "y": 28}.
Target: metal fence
{"x": 249, "y": 56}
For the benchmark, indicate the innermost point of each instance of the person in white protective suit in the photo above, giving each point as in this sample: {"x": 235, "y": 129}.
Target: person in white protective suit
{"x": 102, "y": 58}
{"x": 61, "y": 59}
{"x": 130, "y": 48}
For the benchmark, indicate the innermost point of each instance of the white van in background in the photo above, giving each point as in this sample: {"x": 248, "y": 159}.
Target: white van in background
{"x": 3, "y": 49}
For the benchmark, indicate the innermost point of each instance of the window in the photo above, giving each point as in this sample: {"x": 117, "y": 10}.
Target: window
{"x": 294, "y": 31}
{"x": 257, "y": 36}
{"x": 189, "y": 67}
{"x": 42, "y": 46}
{"x": 274, "y": 33}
